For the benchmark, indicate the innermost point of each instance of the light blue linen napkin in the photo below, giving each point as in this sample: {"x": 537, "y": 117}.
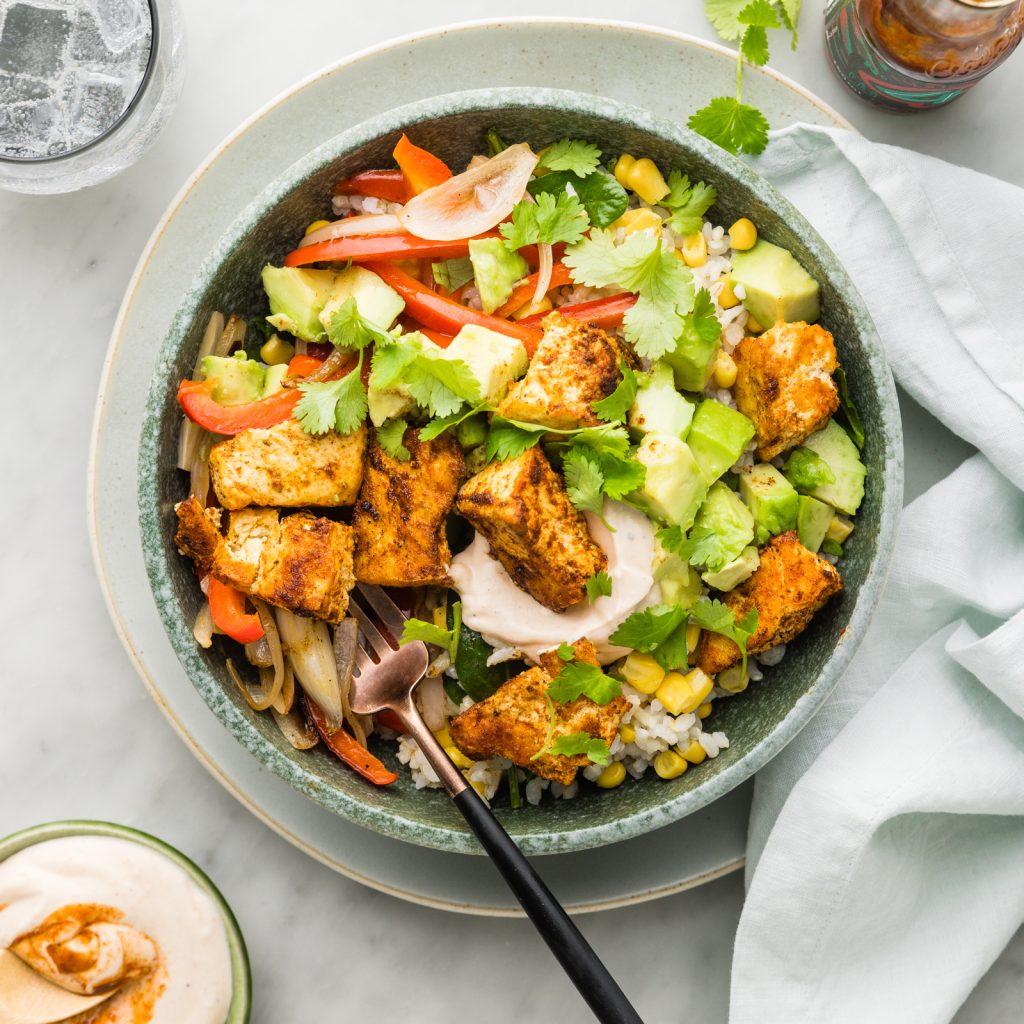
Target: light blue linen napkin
{"x": 886, "y": 851}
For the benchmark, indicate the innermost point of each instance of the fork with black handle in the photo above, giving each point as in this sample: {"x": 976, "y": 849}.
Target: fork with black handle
{"x": 388, "y": 681}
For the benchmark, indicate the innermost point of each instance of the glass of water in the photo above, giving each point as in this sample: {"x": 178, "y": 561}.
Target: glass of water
{"x": 85, "y": 88}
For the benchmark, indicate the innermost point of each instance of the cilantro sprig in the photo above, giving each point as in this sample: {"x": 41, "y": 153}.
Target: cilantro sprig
{"x": 573, "y": 743}
{"x": 614, "y": 408}
{"x": 550, "y": 218}
{"x": 418, "y": 629}
{"x": 391, "y": 435}
{"x": 718, "y": 617}
{"x": 599, "y": 585}
{"x": 687, "y": 203}
{"x": 441, "y": 386}
{"x": 570, "y": 155}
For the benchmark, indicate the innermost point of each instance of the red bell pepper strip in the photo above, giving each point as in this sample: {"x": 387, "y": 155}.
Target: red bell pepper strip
{"x": 348, "y": 750}
{"x": 443, "y": 340}
{"x": 599, "y": 312}
{"x": 196, "y": 401}
{"x": 440, "y": 314}
{"x": 303, "y": 366}
{"x": 522, "y": 293}
{"x": 390, "y": 719}
{"x": 387, "y": 185}
{"x": 227, "y": 608}
{"x": 360, "y": 248}
{"x": 422, "y": 170}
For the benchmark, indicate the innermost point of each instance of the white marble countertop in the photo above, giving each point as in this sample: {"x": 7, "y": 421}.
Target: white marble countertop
{"x": 79, "y": 735}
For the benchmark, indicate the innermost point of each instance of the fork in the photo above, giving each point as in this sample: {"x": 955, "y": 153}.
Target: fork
{"x": 389, "y": 682}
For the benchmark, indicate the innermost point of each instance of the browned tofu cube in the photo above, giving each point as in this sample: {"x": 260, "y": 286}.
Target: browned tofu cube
{"x": 575, "y": 365}
{"x": 400, "y": 515}
{"x": 784, "y": 384}
{"x": 300, "y": 562}
{"x": 287, "y": 467}
{"x": 513, "y": 722}
{"x": 789, "y": 585}
{"x": 539, "y": 536}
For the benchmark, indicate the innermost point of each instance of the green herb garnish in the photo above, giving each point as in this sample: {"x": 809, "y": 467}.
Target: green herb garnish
{"x": 718, "y": 618}
{"x": 599, "y": 585}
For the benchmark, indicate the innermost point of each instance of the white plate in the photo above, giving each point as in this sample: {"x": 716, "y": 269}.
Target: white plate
{"x": 670, "y": 74}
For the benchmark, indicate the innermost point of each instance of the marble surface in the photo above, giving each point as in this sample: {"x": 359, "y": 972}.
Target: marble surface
{"x": 79, "y": 735}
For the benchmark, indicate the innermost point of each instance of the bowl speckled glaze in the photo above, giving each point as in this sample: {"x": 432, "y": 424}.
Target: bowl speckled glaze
{"x": 241, "y": 977}
{"x": 758, "y": 723}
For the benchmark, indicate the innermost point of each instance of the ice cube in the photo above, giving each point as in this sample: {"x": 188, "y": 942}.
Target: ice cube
{"x": 31, "y": 129}
{"x": 87, "y": 44}
{"x": 92, "y": 103}
{"x": 33, "y": 39}
{"x": 123, "y": 21}
{"x": 20, "y": 88}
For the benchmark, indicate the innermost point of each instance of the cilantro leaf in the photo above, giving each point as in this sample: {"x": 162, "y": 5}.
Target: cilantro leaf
{"x": 507, "y": 440}
{"x": 570, "y": 155}
{"x": 550, "y": 219}
{"x": 417, "y": 629}
{"x": 724, "y": 16}
{"x": 452, "y": 274}
{"x": 790, "y": 14}
{"x": 566, "y": 651}
{"x": 609, "y": 457}
{"x": 348, "y": 330}
{"x": 735, "y": 126}
{"x": 390, "y": 361}
{"x": 719, "y": 618}
{"x": 580, "y": 679}
{"x": 754, "y": 45}
{"x": 831, "y": 547}
{"x": 670, "y": 538}
{"x": 701, "y": 325}
{"x": 704, "y": 547}
{"x": 760, "y": 14}
{"x": 687, "y": 203}
{"x": 583, "y": 480}
{"x": 671, "y": 653}
{"x": 645, "y": 630}
{"x": 438, "y": 426}
{"x": 338, "y": 404}
{"x": 574, "y": 743}
{"x": 603, "y": 198}
{"x": 849, "y": 413}
{"x": 441, "y": 385}
{"x": 599, "y": 585}
{"x": 390, "y": 436}
{"x": 614, "y": 408}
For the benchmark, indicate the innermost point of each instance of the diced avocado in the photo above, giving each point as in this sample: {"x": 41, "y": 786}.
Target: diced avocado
{"x": 839, "y": 529}
{"x": 732, "y": 575}
{"x": 812, "y": 521}
{"x": 776, "y": 287}
{"x": 388, "y": 403}
{"x": 674, "y": 486}
{"x": 833, "y": 444}
{"x": 496, "y": 271}
{"x": 725, "y": 515}
{"x": 806, "y": 470}
{"x": 272, "y": 380}
{"x": 692, "y": 360}
{"x": 297, "y": 297}
{"x": 494, "y": 359}
{"x": 678, "y": 580}
{"x": 376, "y": 301}
{"x": 238, "y": 378}
{"x": 718, "y": 437}
{"x": 472, "y": 432}
{"x": 658, "y": 408}
{"x": 772, "y": 499}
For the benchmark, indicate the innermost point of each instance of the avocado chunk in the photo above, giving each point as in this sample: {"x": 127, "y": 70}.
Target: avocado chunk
{"x": 496, "y": 271}
{"x": 469, "y": 433}
{"x": 806, "y": 470}
{"x": 776, "y": 287}
{"x": 297, "y": 297}
{"x": 813, "y": 518}
{"x": 718, "y": 437}
{"x": 388, "y": 404}
{"x": 494, "y": 359}
{"x": 833, "y": 444}
{"x": 273, "y": 379}
{"x": 772, "y": 499}
{"x": 679, "y": 581}
{"x": 237, "y": 378}
{"x": 692, "y": 360}
{"x": 376, "y": 301}
{"x": 658, "y": 408}
{"x": 726, "y": 516}
{"x": 735, "y": 572}
{"x": 674, "y": 486}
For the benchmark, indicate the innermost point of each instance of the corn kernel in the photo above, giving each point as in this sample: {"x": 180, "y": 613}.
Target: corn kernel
{"x": 743, "y": 235}
{"x": 692, "y": 637}
{"x": 839, "y": 529}
{"x": 440, "y": 616}
{"x": 444, "y": 737}
{"x": 727, "y": 297}
{"x": 316, "y": 226}
{"x": 733, "y": 679}
{"x": 754, "y": 326}
{"x": 627, "y": 734}
{"x": 640, "y": 219}
{"x": 458, "y": 758}
{"x": 622, "y": 168}
{"x": 669, "y": 765}
{"x": 529, "y": 309}
{"x": 646, "y": 181}
{"x": 725, "y": 370}
{"x": 695, "y": 249}
{"x": 704, "y": 710}
{"x": 694, "y": 753}
{"x": 681, "y": 694}
{"x": 614, "y": 775}
{"x": 480, "y": 788}
{"x": 276, "y": 350}
{"x": 642, "y": 672}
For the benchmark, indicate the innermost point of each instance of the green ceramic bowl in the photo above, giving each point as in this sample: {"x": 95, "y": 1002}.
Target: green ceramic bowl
{"x": 761, "y": 721}
{"x": 241, "y": 980}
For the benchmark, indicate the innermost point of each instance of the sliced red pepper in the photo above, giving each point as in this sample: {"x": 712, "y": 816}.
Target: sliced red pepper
{"x": 345, "y": 747}
{"x": 440, "y": 314}
{"x": 443, "y": 340}
{"x": 390, "y": 719}
{"x": 303, "y": 366}
{"x": 399, "y": 245}
{"x": 387, "y": 185}
{"x": 196, "y": 401}
{"x": 599, "y": 312}
{"x": 522, "y": 293}
{"x": 422, "y": 170}
{"x": 227, "y": 609}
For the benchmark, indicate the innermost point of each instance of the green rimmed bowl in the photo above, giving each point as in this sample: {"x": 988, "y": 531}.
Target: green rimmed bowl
{"x": 241, "y": 979}
{"x": 761, "y": 721}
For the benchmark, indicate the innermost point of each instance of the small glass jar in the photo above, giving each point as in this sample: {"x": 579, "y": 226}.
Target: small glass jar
{"x": 908, "y": 55}
{"x": 34, "y": 86}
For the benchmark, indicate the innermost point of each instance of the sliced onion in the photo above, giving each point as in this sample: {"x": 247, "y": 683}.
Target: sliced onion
{"x": 295, "y": 729}
{"x": 258, "y": 653}
{"x": 431, "y": 697}
{"x": 199, "y": 474}
{"x": 365, "y": 224}
{"x": 308, "y": 645}
{"x": 210, "y": 343}
{"x": 262, "y": 697}
{"x": 203, "y": 628}
{"x": 331, "y": 365}
{"x": 471, "y": 202}
{"x": 234, "y": 333}
{"x": 191, "y": 433}
{"x": 346, "y": 643}
{"x": 286, "y": 699}
{"x": 545, "y": 265}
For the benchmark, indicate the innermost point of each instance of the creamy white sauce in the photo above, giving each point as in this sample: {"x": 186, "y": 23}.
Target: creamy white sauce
{"x": 154, "y": 894}
{"x": 508, "y": 617}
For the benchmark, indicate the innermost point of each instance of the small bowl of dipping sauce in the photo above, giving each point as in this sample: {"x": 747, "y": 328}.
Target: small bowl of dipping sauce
{"x": 91, "y": 906}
